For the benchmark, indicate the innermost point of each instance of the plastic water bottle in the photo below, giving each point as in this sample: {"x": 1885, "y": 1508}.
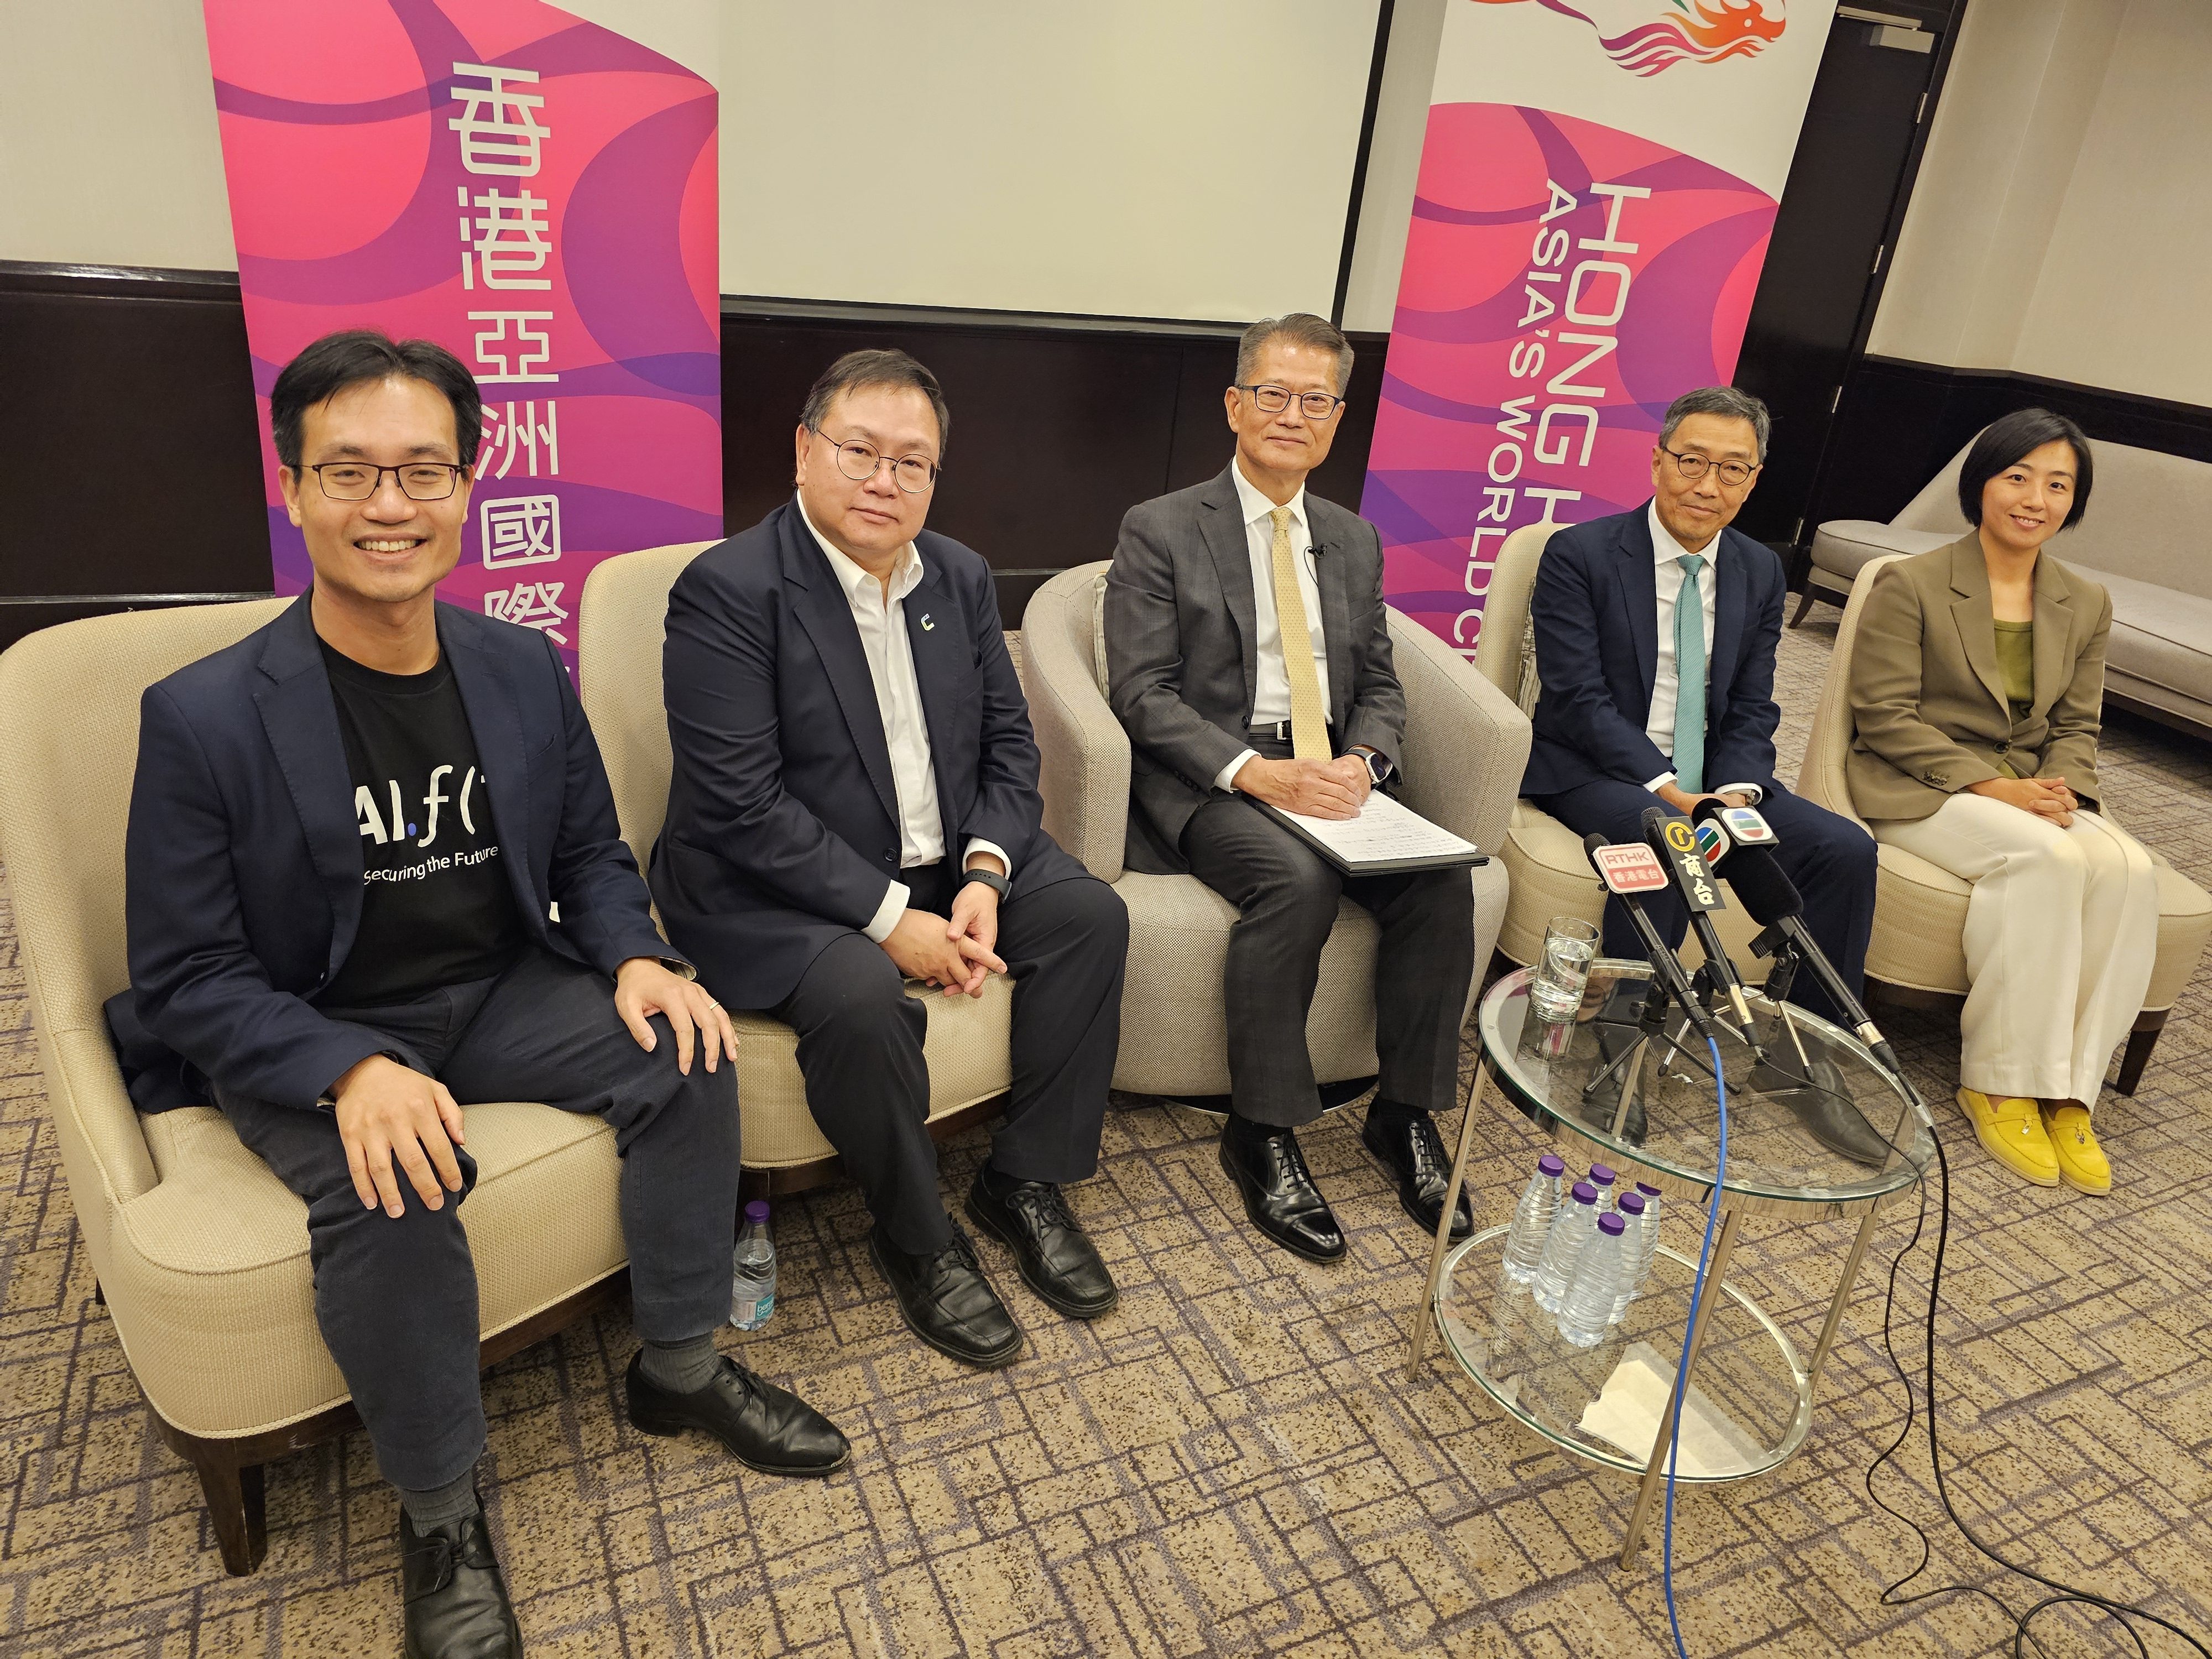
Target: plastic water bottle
{"x": 1632, "y": 1214}
{"x": 1603, "y": 1179}
{"x": 1532, "y": 1219}
{"x": 1556, "y": 1272}
{"x": 752, "y": 1270}
{"x": 1650, "y": 1239}
{"x": 1589, "y": 1307}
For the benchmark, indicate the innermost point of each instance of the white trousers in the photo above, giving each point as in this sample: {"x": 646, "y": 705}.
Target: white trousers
{"x": 2061, "y": 933}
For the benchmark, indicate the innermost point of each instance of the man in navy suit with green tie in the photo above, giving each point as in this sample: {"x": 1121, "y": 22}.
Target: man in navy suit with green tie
{"x": 1655, "y": 634}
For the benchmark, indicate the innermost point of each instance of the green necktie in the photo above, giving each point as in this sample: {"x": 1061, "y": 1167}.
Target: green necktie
{"x": 1690, "y": 678}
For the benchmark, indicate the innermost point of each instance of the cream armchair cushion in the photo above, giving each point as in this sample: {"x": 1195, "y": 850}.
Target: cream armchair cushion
{"x": 625, "y": 608}
{"x": 1464, "y": 749}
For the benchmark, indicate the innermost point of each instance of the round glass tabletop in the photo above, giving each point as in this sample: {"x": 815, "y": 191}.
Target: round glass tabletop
{"x": 1750, "y": 1397}
{"x": 1814, "y": 1120}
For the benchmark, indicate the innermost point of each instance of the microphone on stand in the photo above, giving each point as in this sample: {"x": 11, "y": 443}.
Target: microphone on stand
{"x": 1745, "y": 857}
{"x": 1671, "y": 836}
{"x": 1629, "y": 871}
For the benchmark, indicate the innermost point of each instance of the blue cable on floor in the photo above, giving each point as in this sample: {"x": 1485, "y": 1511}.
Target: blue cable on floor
{"x": 1683, "y": 1366}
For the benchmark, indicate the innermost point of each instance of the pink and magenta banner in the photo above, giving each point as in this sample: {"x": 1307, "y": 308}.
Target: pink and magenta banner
{"x": 1583, "y": 251}
{"x": 533, "y": 191}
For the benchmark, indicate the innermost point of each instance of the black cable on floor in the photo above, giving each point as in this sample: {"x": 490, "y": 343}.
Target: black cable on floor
{"x": 2123, "y": 1611}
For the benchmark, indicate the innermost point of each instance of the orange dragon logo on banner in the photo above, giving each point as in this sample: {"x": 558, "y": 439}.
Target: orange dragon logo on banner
{"x": 1705, "y": 30}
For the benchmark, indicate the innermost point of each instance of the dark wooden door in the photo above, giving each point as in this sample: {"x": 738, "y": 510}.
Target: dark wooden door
{"x": 1832, "y": 239}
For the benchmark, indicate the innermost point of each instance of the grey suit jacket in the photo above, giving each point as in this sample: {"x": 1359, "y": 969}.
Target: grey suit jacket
{"x": 1927, "y": 699}
{"x": 1181, "y": 631}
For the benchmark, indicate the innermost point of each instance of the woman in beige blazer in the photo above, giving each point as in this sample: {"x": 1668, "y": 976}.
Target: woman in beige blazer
{"x": 1977, "y": 687}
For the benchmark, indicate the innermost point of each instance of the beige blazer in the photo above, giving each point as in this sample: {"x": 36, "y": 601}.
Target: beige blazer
{"x": 1927, "y": 699}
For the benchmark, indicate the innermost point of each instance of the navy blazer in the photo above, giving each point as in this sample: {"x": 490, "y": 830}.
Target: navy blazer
{"x": 242, "y": 861}
{"x": 782, "y": 833}
{"x": 1596, "y": 611}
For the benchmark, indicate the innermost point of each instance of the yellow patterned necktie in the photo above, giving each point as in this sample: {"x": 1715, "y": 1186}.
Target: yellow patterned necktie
{"x": 1309, "y": 718}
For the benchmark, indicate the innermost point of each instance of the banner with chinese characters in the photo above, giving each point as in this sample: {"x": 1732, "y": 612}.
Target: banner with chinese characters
{"x": 535, "y": 193}
{"x": 1597, "y": 185}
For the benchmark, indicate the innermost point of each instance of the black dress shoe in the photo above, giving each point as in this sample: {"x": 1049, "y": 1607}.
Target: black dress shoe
{"x": 1407, "y": 1143}
{"x": 1056, "y": 1258}
{"x": 764, "y": 1427}
{"x": 1823, "y": 1104}
{"x": 1280, "y": 1194}
{"x": 456, "y": 1600}
{"x": 947, "y": 1301}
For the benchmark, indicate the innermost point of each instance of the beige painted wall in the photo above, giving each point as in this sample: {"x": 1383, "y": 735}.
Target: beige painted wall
{"x": 2060, "y": 223}
{"x": 1148, "y": 158}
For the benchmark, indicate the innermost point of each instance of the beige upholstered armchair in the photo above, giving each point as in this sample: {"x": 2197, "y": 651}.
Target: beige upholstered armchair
{"x": 625, "y": 608}
{"x": 1916, "y": 956}
{"x": 200, "y": 1251}
{"x": 1551, "y": 873}
{"x": 1464, "y": 751}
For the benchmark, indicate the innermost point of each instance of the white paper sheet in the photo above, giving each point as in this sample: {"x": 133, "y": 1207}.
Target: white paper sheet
{"x": 1385, "y": 832}
{"x": 1627, "y": 1414}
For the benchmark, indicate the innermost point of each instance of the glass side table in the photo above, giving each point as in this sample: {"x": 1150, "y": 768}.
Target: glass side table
{"x": 1819, "y": 1132}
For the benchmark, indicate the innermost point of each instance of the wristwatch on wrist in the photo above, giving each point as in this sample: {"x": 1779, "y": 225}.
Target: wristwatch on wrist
{"x": 990, "y": 879}
{"x": 1378, "y": 767}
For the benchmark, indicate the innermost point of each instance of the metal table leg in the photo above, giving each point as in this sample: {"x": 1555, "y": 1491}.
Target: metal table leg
{"x": 1417, "y": 1341}
{"x": 1655, "y": 1473}
{"x": 1851, "y": 1263}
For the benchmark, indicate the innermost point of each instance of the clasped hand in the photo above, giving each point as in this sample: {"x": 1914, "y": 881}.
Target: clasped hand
{"x": 1320, "y": 789}
{"x": 393, "y": 1121}
{"x": 2047, "y": 797}
{"x": 956, "y": 952}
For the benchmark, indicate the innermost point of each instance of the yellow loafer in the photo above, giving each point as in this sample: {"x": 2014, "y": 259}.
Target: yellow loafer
{"x": 2082, "y": 1162}
{"x": 2010, "y": 1130}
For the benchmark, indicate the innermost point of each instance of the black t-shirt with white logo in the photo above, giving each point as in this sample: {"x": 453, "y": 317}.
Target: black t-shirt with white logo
{"x": 436, "y": 906}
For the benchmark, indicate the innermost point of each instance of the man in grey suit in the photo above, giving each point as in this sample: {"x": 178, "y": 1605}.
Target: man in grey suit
{"x": 1205, "y": 583}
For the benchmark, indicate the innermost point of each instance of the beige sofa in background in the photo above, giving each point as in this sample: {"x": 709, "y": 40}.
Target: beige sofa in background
{"x": 1465, "y": 747}
{"x": 2142, "y": 538}
{"x": 1916, "y": 956}
{"x": 200, "y": 1251}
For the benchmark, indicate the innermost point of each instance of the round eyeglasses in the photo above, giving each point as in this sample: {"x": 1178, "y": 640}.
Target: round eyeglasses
{"x": 859, "y": 461}
{"x": 356, "y": 481}
{"x": 1733, "y": 474}
{"x": 1274, "y": 399}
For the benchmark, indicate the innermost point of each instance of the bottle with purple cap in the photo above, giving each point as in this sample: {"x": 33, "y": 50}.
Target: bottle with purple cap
{"x": 1588, "y": 1309}
{"x": 752, "y": 1270}
{"x": 1604, "y": 1179}
{"x": 1631, "y": 1210}
{"x": 1532, "y": 1219}
{"x": 1577, "y": 1222}
{"x": 1649, "y": 1241}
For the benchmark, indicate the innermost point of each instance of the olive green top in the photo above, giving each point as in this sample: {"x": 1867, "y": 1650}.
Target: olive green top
{"x": 2016, "y": 672}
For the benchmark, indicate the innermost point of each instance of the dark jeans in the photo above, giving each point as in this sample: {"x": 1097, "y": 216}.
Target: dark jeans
{"x": 396, "y": 1297}
{"x": 860, "y": 1039}
{"x": 1829, "y": 858}
{"x": 1286, "y": 894}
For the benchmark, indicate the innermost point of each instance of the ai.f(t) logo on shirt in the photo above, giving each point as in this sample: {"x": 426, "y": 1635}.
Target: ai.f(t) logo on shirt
{"x": 1646, "y": 36}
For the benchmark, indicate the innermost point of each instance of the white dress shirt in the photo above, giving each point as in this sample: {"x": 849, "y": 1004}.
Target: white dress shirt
{"x": 1659, "y": 726}
{"x": 1271, "y": 680}
{"x": 880, "y": 615}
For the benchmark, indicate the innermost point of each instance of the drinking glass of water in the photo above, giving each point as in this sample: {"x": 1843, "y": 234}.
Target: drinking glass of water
{"x": 1555, "y": 991}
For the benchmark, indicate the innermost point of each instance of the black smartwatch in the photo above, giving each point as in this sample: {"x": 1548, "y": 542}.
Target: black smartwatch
{"x": 990, "y": 879}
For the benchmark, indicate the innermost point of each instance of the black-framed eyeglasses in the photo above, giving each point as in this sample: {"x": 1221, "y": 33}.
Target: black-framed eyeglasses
{"x": 859, "y": 461}
{"x": 1274, "y": 399}
{"x": 1733, "y": 474}
{"x": 356, "y": 481}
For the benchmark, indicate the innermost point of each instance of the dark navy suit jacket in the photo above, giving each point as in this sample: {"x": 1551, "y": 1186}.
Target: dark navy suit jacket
{"x": 243, "y": 865}
{"x": 782, "y": 832}
{"x": 1595, "y": 607}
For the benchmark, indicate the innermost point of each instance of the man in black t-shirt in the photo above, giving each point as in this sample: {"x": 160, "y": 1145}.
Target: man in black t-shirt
{"x": 350, "y": 835}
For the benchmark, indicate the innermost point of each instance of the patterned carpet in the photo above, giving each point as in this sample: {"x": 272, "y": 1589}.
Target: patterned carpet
{"x": 1234, "y": 1463}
